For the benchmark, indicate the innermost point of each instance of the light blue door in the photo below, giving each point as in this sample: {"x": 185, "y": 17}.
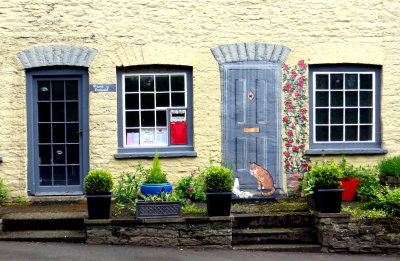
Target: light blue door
{"x": 251, "y": 101}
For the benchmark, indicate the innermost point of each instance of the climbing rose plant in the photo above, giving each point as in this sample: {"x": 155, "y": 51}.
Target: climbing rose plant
{"x": 295, "y": 119}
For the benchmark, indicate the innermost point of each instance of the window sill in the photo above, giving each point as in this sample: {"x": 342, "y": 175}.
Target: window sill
{"x": 355, "y": 151}
{"x": 161, "y": 154}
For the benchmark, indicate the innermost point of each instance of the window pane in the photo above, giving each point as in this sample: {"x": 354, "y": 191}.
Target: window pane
{"x": 351, "y": 81}
{"x": 321, "y": 99}
{"x": 58, "y": 133}
{"x": 147, "y": 100}
{"x": 161, "y": 136}
{"x": 131, "y": 84}
{"x": 44, "y": 154}
{"x": 57, "y": 90}
{"x": 178, "y": 99}
{"x": 321, "y": 116}
{"x": 162, "y": 99}
{"x": 336, "y": 133}
{"x": 365, "y": 98}
{"x": 351, "y": 133}
{"x": 351, "y": 115}
{"x": 336, "y": 81}
{"x": 73, "y": 175}
{"x": 44, "y": 111}
{"x": 131, "y": 101}
{"x": 177, "y": 83}
{"x": 59, "y": 176}
{"x": 322, "y": 81}
{"x": 351, "y": 98}
{"x": 365, "y": 115}
{"x": 132, "y": 119}
{"x": 43, "y": 90}
{"x": 59, "y": 154}
{"x": 147, "y": 83}
{"x": 365, "y": 81}
{"x": 148, "y": 119}
{"x": 336, "y": 99}
{"x": 44, "y": 133}
{"x": 365, "y": 133}
{"x": 72, "y": 132}
{"x": 337, "y": 116}
{"x": 72, "y": 111}
{"x": 45, "y": 176}
{"x": 147, "y": 136}
{"x": 58, "y": 111}
{"x": 71, "y": 90}
{"x": 322, "y": 133}
{"x": 162, "y": 83}
{"x": 132, "y": 137}
{"x": 161, "y": 118}
{"x": 73, "y": 154}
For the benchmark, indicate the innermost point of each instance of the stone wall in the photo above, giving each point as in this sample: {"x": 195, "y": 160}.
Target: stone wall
{"x": 340, "y": 233}
{"x": 215, "y": 232}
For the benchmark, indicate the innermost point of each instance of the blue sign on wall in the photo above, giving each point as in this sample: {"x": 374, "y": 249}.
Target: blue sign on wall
{"x": 103, "y": 87}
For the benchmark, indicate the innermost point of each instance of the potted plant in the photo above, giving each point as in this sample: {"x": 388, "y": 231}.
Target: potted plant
{"x": 327, "y": 194}
{"x": 389, "y": 171}
{"x": 349, "y": 182}
{"x": 218, "y": 183}
{"x": 165, "y": 205}
{"x": 98, "y": 186}
{"x": 155, "y": 180}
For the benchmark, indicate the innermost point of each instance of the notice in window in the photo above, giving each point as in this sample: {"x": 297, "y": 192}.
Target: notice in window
{"x": 161, "y": 136}
{"x": 147, "y": 136}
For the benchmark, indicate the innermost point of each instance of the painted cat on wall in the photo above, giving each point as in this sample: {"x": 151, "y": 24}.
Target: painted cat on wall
{"x": 263, "y": 177}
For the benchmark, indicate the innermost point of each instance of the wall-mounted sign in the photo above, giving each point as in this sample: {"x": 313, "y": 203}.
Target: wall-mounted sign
{"x": 102, "y": 87}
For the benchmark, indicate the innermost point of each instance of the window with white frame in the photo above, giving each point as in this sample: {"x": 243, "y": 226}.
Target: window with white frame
{"x": 344, "y": 106}
{"x": 155, "y": 111}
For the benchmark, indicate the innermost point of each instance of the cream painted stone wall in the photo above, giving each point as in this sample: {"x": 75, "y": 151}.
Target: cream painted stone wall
{"x": 127, "y": 33}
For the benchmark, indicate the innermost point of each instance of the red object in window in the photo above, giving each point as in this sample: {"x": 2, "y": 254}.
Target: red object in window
{"x": 178, "y": 133}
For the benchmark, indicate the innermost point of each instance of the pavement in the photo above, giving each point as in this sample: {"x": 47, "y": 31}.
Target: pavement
{"x": 64, "y": 251}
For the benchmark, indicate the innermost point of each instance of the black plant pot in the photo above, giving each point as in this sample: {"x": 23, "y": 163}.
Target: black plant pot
{"x": 219, "y": 203}
{"x": 99, "y": 206}
{"x": 328, "y": 200}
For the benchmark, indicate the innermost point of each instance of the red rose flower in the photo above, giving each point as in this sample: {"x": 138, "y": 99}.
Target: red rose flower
{"x": 301, "y": 146}
{"x": 290, "y": 133}
{"x": 303, "y": 110}
{"x": 287, "y": 144}
{"x": 304, "y": 165}
{"x": 302, "y": 78}
{"x": 285, "y": 67}
{"x": 288, "y": 102}
{"x": 290, "y": 108}
{"x": 285, "y": 119}
{"x": 291, "y": 91}
{"x": 287, "y": 163}
{"x": 303, "y": 118}
{"x": 295, "y": 149}
{"x": 309, "y": 168}
{"x": 302, "y": 64}
{"x": 287, "y": 154}
{"x": 292, "y": 126}
{"x": 293, "y": 74}
{"x": 301, "y": 84}
{"x": 298, "y": 95}
{"x": 287, "y": 86}
{"x": 290, "y": 140}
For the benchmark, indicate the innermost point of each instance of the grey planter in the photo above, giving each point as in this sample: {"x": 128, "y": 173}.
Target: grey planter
{"x": 155, "y": 209}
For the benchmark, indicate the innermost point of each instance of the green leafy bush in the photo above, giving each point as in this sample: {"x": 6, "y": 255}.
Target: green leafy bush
{"x": 368, "y": 185}
{"x": 218, "y": 179}
{"x": 98, "y": 182}
{"x": 3, "y": 191}
{"x": 348, "y": 170}
{"x": 387, "y": 200}
{"x": 389, "y": 167}
{"x": 128, "y": 187}
{"x": 155, "y": 175}
{"x": 326, "y": 176}
{"x": 191, "y": 187}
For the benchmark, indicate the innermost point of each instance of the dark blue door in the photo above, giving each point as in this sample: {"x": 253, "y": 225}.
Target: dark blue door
{"x": 251, "y": 101}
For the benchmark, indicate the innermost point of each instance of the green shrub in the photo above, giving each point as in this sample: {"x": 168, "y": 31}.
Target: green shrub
{"x": 325, "y": 176}
{"x": 98, "y": 182}
{"x": 348, "y": 170}
{"x": 3, "y": 191}
{"x": 389, "y": 167}
{"x": 387, "y": 200}
{"x": 128, "y": 187}
{"x": 218, "y": 179}
{"x": 191, "y": 187}
{"x": 155, "y": 174}
{"x": 368, "y": 185}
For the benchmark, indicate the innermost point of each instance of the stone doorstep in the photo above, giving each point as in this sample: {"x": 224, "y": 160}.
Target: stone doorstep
{"x": 44, "y": 236}
{"x": 261, "y": 231}
{"x": 281, "y": 247}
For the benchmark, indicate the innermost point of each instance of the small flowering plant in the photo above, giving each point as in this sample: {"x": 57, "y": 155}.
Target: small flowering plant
{"x": 295, "y": 118}
{"x": 190, "y": 188}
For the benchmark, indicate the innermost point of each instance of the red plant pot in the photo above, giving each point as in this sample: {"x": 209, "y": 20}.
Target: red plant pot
{"x": 350, "y": 186}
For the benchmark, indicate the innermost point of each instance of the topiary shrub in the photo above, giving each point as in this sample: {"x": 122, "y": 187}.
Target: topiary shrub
{"x": 326, "y": 176}
{"x": 218, "y": 179}
{"x": 155, "y": 175}
{"x": 98, "y": 182}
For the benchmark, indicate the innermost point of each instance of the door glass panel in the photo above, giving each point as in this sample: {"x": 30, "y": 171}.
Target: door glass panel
{"x": 44, "y": 154}
{"x": 73, "y": 175}
{"x": 57, "y": 89}
{"x": 58, "y": 133}
{"x": 72, "y": 132}
{"x": 71, "y": 90}
{"x": 59, "y": 176}
{"x": 45, "y": 176}
{"x": 44, "y": 111}
{"x": 58, "y": 111}
{"x": 72, "y": 111}
{"x": 44, "y": 133}
{"x": 43, "y": 90}
{"x": 58, "y": 154}
{"x": 73, "y": 154}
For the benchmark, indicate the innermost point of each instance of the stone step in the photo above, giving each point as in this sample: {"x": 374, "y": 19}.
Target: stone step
{"x": 43, "y": 221}
{"x": 315, "y": 248}
{"x": 44, "y": 236}
{"x": 273, "y": 221}
{"x": 273, "y": 235}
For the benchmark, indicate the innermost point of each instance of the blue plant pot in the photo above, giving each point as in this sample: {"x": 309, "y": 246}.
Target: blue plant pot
{"x": 155, "y": 189}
